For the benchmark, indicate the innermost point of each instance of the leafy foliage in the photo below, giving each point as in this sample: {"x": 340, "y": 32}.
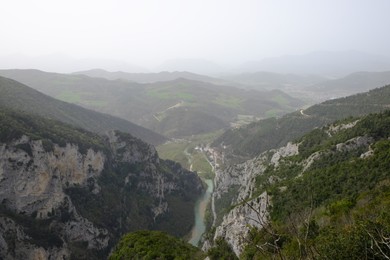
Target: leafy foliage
{"x": 221, "y": 250}
{"x": 154, "y": 245}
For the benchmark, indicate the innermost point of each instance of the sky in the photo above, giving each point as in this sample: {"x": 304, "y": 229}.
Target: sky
{"x": 149, "y": 32}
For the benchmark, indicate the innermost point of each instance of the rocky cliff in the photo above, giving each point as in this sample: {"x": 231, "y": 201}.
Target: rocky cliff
{"x": 246, "y": 194}
{"x": 66, "y": 193}
{"x": 235, "y": 189}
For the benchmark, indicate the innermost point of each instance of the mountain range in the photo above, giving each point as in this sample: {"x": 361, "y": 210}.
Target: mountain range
{"x": 323, "y": 63}
{"x": 176, "y": 108}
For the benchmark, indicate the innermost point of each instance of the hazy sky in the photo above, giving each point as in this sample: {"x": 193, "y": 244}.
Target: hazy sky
{"x": 147, "y": 32}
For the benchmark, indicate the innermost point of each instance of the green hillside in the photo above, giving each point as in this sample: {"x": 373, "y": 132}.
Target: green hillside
{"x": 150, "y": 77}
{"x": 158, "y": 104}
{"x": 332, "y": 200}
{"x": 17, "y": 96}
{"x": 154, "y": 245}
{"x": 257, "y": 137}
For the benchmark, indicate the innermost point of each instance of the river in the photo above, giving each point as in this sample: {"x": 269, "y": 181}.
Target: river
{"x": 200, "y": 210}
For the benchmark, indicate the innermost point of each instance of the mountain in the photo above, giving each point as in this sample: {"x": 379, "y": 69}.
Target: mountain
{"x": 175, "y": 108}
{"x": 67, "y": 193}
{"x": 350, "y": 84}
{"x": 63, "y": 63}
{"x": 150, "y": 77}
{"x": 250, "y": 140}
{"x": 324, "y": 63}
{"x": 325, "y": 195}
{"x": 15, "y": 95}
{"x": 271, "y": 80}
{"x": 199, "y": 66}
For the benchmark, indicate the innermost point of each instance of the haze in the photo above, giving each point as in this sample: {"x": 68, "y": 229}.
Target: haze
{"x": 149, "y": 33}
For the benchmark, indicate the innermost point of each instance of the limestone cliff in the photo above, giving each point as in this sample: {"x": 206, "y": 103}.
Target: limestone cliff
{"x": 235, "y": 188}
{"x": 74, "y": 199}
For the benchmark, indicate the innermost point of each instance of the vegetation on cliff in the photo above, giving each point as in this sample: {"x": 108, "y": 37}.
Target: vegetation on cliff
{"x": 332, "y": 200}
{"x": 154, "y": 245}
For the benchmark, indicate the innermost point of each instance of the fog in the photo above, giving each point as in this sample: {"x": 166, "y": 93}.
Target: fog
{"x": 144, "y": 35}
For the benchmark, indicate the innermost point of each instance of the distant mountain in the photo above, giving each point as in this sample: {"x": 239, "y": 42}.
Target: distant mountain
{"x": 59, "y": 62}
{"x": 149, "y": 77}
{"x": 248, "y": 141}
{"x": 324, "y": 63}
{"x": 351, "y": 84}
{"x": 204, "y": 67}
{"x": 175, "y": 108}
{"x": 271, "y": 80}
{"x": 21, "y": 97}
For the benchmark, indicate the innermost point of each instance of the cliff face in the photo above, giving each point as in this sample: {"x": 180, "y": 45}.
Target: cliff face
{"x": 235, "y": 188}
{"x": 62, "y": 201}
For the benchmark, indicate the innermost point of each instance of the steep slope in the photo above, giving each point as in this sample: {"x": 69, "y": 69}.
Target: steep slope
{"x": 257, "y": 137}
{"x": 154, "y": 105}
{"x": 325, "y": 195}
{"x": 66, "y": 192}
{"x": 18, "y": 96}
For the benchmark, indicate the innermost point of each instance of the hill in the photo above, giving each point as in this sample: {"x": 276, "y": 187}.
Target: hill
{"x": 199, "y": 66}
{"x": 15, "y": 95}
{"x": 249, "y": 141}
{"x": 150, "y": 77}
{"x": 67, "y": 193}
{"x": 272, "y": 80}
{"x": 323, "y": 63}
{"x": 325, "y": 195}
{"x": 350, "y": 84}
{"x": 158, "y": 104}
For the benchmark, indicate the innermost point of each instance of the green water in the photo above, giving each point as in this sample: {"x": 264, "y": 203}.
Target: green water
{"x": 200, "y": 209}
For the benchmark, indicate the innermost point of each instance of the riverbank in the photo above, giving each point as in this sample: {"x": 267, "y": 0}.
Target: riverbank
{"x": 200, "y": 210}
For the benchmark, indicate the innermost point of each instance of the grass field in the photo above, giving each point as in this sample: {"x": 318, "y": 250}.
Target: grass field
{"x": 169, "y": 94}
{"x": 183, "y": 151}
{"x": 280, "y": 100}
{"x": 69, "y": 96}
{"x": 228, "y": 101}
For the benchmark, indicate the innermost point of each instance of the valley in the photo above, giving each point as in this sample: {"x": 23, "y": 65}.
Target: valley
{"x": 199, "y": 130}
{"x": 222, "y": 166}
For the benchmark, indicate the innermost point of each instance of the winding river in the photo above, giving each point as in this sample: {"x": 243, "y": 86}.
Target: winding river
{"x": 200, "y": 209}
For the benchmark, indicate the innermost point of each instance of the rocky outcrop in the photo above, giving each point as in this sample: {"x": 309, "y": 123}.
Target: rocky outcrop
{"x": 235, "y": 187}
{"x": 237, "y": 223}
{"x": 33, "y": 180}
